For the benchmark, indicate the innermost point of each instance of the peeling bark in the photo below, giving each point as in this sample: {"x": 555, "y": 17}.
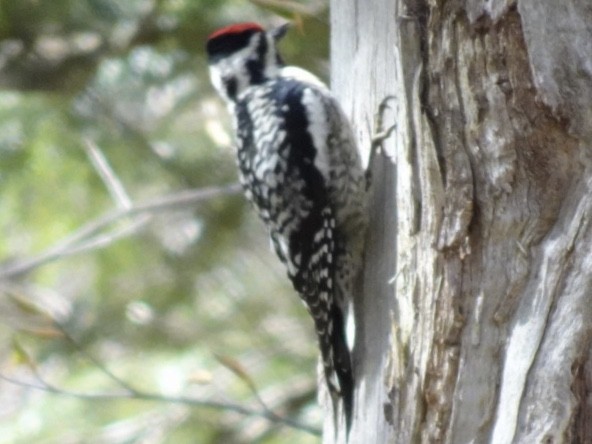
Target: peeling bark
{"x": 475, "y": 324}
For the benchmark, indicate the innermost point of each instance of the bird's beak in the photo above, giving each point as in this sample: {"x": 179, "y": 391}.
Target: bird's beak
{"x": 280, "y": 31}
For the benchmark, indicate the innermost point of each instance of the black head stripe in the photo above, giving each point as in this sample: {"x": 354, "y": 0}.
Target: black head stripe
{"x": 256, "y": 66}
{"x": 231, "y": 88}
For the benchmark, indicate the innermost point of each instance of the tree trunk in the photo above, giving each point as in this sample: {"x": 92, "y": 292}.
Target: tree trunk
{"x": 475, "y": 323}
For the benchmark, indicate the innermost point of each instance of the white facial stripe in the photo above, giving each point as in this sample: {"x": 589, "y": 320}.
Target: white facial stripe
{"x": 216, "y": 77}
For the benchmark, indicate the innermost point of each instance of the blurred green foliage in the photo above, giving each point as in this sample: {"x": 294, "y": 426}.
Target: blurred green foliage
{"x": 158, "y": 296}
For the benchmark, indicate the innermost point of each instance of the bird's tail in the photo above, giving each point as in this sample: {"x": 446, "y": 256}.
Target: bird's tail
{"x": 337, "y": 364}
{"x": 321, "y": 293}
{"x": 330, "y": 327}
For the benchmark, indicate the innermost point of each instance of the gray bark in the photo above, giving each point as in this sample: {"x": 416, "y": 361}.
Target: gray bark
{"x": 475, "y": 323}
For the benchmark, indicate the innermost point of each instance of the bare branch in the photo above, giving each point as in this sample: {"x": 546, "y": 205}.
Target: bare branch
{"x": 104, "y": 240}
{"x": 131, "y": 392}
{"x": 83, "y": 238}
{"x": 157, "y": 397}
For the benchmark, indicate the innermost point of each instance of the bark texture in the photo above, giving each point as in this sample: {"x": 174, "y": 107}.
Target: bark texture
{"x": 475, "y": 323}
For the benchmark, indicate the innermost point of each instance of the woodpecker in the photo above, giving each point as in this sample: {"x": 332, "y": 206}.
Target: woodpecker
{"x": 300, "y": 167}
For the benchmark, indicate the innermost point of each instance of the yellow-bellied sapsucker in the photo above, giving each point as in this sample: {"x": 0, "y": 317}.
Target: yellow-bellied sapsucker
{"x": 300, "y": 167}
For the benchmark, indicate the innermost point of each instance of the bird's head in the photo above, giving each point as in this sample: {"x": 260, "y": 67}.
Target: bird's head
{"x": 242, "y": 55}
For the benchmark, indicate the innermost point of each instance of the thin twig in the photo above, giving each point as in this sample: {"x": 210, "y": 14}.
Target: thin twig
{"x": 156, "y": 397}
{"x": 104, "y": 240}
{"x": 107, "y": 174}
{"x": 71, "y": 243}
{"x": 96, "y": 362}
{"x": 236, "y": 368}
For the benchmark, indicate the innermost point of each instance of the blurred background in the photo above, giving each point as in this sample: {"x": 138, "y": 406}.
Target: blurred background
{"x": 135, "y": 286}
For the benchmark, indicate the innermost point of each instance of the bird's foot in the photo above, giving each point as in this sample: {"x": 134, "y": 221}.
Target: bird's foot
{"x": 379, "y": 135}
